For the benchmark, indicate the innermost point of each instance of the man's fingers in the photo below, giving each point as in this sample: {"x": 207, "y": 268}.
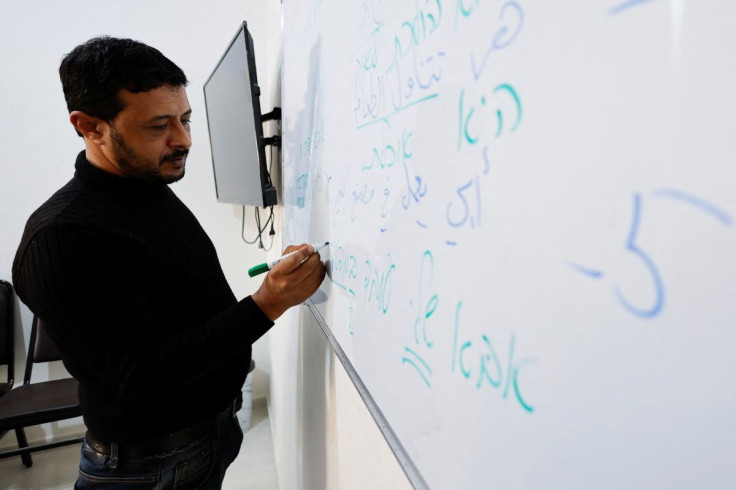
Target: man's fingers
{"x": 303, "y": 272}
{"x": 312, "y": 269}
{"x": 291, "y": 248}
{"x": 298, "y": 255}
{"x": 291, "y": 281}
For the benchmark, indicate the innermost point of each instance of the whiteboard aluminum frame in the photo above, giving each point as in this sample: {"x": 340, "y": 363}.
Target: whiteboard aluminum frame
{"x": 402, "y": 457}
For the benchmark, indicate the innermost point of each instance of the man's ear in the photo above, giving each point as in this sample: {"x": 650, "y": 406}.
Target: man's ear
{"x": 90, "y": 127}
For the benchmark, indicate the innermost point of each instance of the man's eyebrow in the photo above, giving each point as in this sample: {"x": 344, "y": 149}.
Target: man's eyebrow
{"x": 168, "y": 116}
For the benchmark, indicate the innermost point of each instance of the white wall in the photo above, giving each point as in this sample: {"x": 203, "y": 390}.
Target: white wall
{"x": 323, "y": 434}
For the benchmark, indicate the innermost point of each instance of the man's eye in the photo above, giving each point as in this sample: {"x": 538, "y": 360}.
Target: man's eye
{"x": 186, "y": 122}
{"x": 160, "y": 127}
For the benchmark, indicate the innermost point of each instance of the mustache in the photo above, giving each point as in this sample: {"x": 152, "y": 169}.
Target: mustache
{"x": 175, "y": 155}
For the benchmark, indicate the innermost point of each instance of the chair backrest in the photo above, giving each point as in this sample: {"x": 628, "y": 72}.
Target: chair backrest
{"x": 7, "y": 324}
{"x": 44, "y": 350}
{"x": 40, "y": 348}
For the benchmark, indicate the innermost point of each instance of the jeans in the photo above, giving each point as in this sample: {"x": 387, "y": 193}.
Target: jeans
{"x": 201, "y": 465}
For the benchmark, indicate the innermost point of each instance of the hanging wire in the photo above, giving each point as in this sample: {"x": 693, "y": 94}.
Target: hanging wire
{"x": 259, "y": 236}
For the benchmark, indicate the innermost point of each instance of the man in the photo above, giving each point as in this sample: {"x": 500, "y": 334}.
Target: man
{"x": 131, "y": 287}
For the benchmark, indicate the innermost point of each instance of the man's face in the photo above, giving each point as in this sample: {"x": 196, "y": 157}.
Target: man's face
{"x": 150, "y": 138}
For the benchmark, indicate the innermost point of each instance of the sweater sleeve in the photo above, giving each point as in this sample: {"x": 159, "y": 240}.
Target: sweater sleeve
{"x": 84, "y": 284}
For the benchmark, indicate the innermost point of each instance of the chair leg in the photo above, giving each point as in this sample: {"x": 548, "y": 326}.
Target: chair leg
{"x": 23, "y": 442}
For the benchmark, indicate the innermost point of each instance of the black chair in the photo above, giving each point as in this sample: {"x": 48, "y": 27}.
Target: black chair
{"x": 7, "y": 343}
{"x": 7, "y": 322}
{"x": 38, "y": 403}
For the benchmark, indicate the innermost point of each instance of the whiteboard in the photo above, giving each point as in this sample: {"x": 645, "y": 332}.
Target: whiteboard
{"x": 531, "y": 211}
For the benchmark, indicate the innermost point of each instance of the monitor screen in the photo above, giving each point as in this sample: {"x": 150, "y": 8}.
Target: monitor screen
{"x": 233, "y": 109}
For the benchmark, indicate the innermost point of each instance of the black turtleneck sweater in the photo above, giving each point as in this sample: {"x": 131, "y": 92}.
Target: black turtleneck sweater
{"x": 136, "y": 301}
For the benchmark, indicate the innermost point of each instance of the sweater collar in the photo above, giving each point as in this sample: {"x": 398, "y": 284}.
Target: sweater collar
{"x": 115, "y": 184}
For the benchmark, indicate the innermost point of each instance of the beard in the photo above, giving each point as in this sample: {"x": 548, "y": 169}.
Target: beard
{"x": 141, "y": 168}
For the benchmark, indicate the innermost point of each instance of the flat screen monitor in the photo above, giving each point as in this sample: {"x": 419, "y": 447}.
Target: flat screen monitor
{"x": 231, "y": 96}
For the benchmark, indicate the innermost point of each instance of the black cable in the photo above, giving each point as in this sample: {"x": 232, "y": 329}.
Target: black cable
{"x": 242, "y": 231}
{"x": 272, "y": 232}
{"x": 258, "y": 227}
{"x": 259, "y": 235}
{"x": 270, "y": 162}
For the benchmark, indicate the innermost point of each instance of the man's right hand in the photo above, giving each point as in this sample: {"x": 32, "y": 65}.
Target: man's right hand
{"x": 290, "y": 282}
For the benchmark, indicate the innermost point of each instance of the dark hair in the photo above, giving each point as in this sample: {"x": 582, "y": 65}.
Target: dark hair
{"x": 94, "y": 72}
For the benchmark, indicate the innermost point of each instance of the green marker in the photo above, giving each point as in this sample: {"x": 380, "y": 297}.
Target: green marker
{"x": 266, "y": 266}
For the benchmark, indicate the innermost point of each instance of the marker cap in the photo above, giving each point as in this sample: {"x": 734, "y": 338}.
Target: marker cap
{"x": 258, "y": 269}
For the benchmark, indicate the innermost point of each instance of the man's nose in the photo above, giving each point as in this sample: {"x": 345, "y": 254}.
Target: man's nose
{"x": 180, "y": 138}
